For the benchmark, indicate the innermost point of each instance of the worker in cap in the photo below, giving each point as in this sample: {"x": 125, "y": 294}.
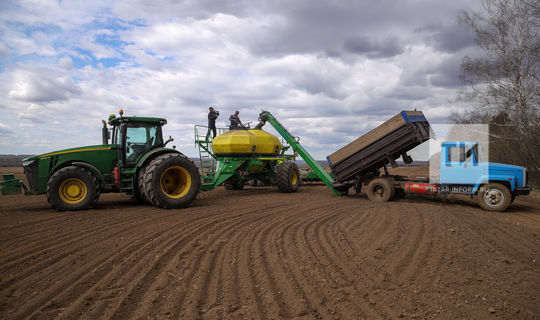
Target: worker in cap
{"x": 212, "y": 116}
{"x": 235, "y": 121}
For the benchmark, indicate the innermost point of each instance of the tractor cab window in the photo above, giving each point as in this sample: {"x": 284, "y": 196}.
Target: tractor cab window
{"x": 117, "y": 135}
{"x": 139, "y": 139}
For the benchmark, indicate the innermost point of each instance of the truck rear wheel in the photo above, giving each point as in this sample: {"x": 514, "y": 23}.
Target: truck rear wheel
{"x": 72, "y": 188}
{"x": 171, "y": 181}
{"x": 288, "y": 177}
{"x": 494, "y": 197}
{"x": 380, "y": 190}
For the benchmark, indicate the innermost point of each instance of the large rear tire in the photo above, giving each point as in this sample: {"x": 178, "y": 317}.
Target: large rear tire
{"x": 140, "y": 195}
{"x": 288, "y": 177}
{"x": 171, "y": 181}
{"x": 380, "y": 190}
{"x": 494, "y": 197}
{"x": 72, "y": 188}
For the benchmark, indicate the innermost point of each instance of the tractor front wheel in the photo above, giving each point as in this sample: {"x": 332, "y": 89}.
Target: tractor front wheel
{"x": 72, "y": 188}
{"x": 288, "y": 177}
{"x": 171, "y": 181}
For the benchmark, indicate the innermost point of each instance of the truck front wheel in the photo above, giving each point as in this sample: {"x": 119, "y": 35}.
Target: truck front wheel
{"x": 494, "y": 197}
{"x": 380, "y": 190}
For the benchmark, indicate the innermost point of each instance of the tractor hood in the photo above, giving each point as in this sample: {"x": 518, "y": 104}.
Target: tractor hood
{"x": 70, "y": 150}
{"x": 38, "y": 169}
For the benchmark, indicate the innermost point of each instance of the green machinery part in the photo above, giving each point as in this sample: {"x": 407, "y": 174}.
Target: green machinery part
{"x": 228, "y": 166}
{"x": 302, "y": 152}
{"x": 310, "y": 176}
{"x": 207, "y": 159}
{"x": 10, "y": 186}
{"x": 217, "y": 170}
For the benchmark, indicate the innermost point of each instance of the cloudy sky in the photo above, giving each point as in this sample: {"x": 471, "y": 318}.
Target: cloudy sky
{"x": 328, "y": 70}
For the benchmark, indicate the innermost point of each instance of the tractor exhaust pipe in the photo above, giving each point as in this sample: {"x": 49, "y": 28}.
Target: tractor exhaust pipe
{"x": 104, "y": 133}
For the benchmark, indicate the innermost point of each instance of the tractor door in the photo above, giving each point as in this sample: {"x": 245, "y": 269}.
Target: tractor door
{"x": 139, "y": 138}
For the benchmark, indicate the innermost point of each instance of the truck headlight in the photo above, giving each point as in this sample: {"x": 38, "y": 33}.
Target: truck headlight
{"x": 27, "y": 163}
{"x": 525, "y": 177}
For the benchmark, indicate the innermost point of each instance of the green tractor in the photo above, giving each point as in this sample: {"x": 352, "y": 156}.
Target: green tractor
{"x": 136, "y": 162}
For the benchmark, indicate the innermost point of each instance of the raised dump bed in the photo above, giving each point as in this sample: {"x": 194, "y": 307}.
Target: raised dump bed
{"x": 380, "y": 146}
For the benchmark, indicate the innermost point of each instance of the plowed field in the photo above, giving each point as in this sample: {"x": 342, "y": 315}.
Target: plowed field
{"x": 258, "y": 253}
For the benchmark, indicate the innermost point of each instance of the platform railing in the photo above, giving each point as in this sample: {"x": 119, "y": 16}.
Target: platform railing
{"x": 207, "y": 161}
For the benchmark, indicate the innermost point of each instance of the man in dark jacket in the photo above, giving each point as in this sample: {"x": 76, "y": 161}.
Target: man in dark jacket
{"x": 235, "y": 121}
{"x": 212, "y": 116}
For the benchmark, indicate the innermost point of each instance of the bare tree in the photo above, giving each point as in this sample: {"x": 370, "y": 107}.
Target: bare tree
{"x": 503, "y": 83}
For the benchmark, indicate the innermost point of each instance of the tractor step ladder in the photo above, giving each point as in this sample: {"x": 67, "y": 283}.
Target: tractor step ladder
{"x": 207, "y": 160}
{"x": 126, "y": 185}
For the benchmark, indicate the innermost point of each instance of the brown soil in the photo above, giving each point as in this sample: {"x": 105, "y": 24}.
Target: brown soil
{"x": 258, "y": 253}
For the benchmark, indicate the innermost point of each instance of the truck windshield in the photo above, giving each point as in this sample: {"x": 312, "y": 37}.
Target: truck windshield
{"x": 472, "y": 153}
{"x": 475, "y": 151}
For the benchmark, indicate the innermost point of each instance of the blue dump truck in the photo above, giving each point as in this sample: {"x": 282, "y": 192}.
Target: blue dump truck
{"x": 359, "y": 163}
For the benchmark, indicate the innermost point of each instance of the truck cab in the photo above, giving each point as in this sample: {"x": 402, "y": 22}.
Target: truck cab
{"x": 459, "y": 165}
{"x": 495, "y": 184}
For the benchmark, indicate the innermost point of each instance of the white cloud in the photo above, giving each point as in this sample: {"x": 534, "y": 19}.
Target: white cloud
{"x": 41, "y": 85}
{"x": 4, "y": 51}
{"x": 5, "y": 130}
{"x": 66, "y": 63}
{"x": 177, "y": 58}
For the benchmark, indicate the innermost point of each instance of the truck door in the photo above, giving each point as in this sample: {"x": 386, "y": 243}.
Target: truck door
{"x": 460, "y": 165}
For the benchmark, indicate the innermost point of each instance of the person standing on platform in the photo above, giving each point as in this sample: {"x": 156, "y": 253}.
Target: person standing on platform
{"x": 212, "y": 116}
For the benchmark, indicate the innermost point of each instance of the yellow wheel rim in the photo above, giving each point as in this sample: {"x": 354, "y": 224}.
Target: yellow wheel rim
{"x": 294, "y": 177}
{"x": 175, "y": 182}
{"x": 72, "y": 190}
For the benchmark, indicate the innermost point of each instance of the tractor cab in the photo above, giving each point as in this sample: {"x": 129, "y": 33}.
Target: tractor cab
{"x": 135, "y": 136}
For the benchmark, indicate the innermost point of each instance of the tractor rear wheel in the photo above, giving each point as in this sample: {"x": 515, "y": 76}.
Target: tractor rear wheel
{"x": 140, "y": 196}
{"x": 288, "y": 177}
{"x": 171, "y": 181}
{"x": 72, "y": 188}
{"x": 380, "y": 190}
